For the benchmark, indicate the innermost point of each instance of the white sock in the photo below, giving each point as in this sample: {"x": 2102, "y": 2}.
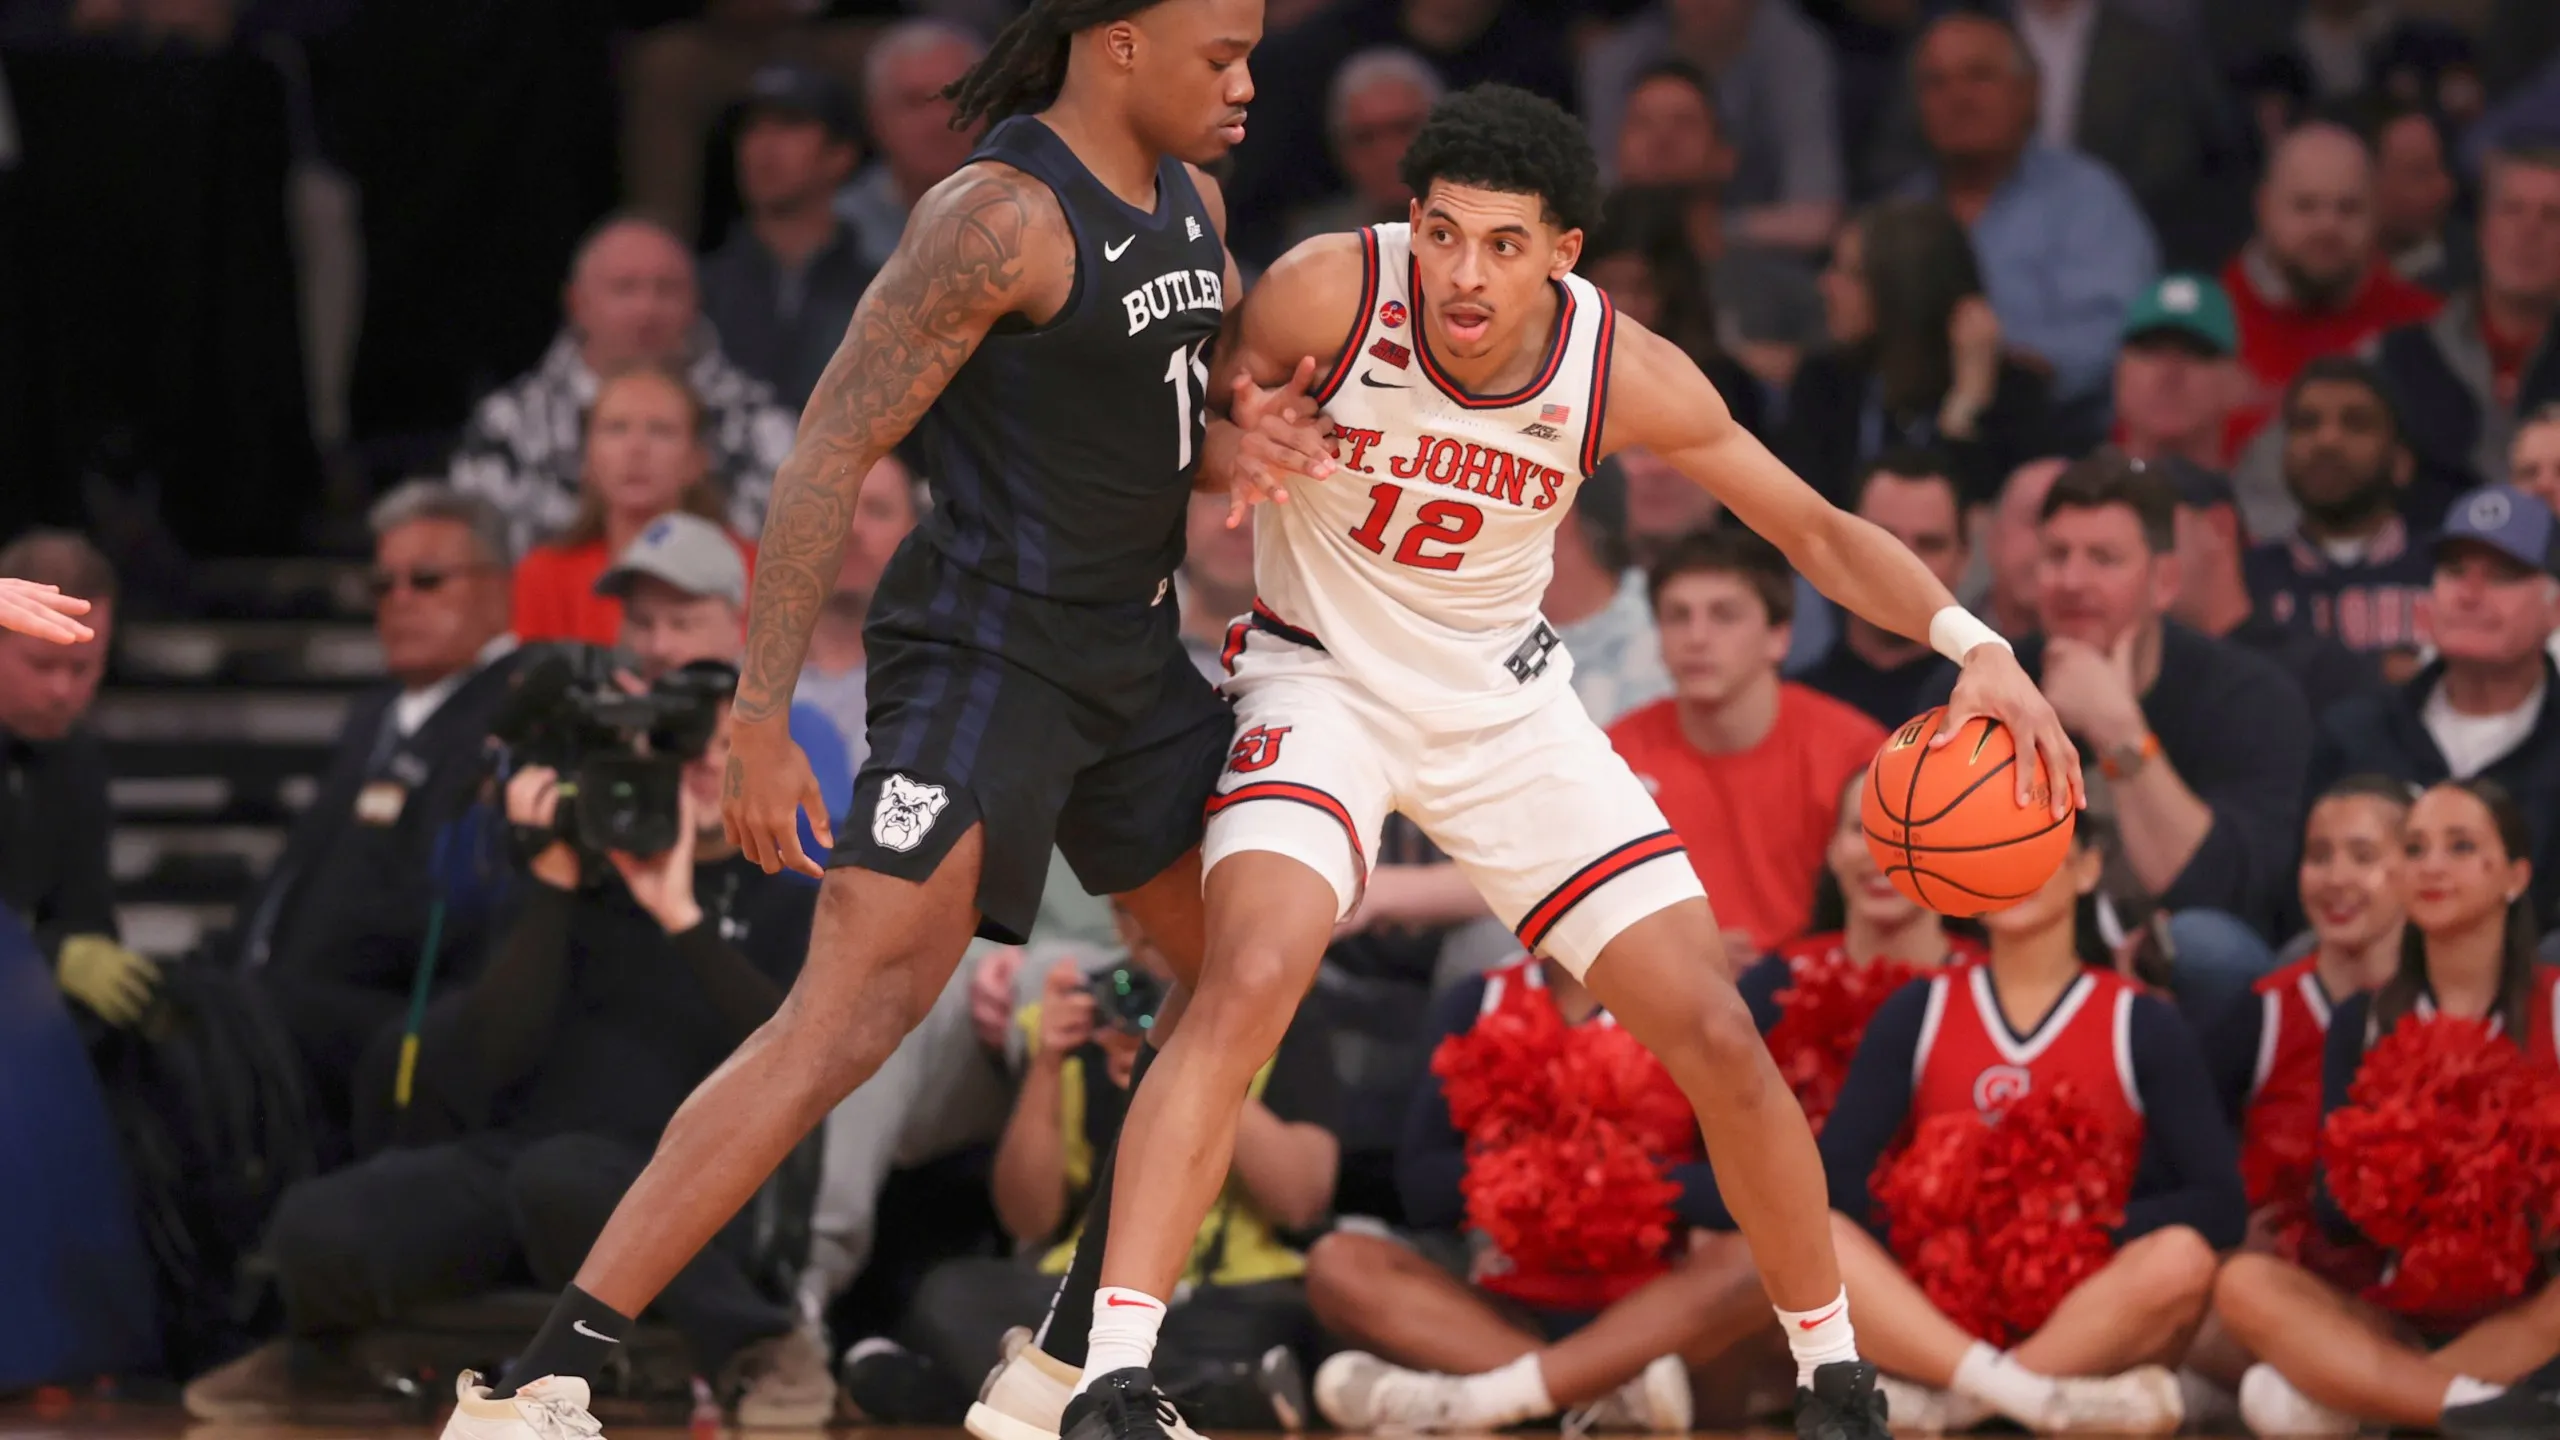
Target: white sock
{"x": 1819, "y": 1336}
{"x": 1506, "y": 1396}
{"x": 1991, "y": 1377}
{"x": 1123, "y": 1335}
{"x": 2466, "y": 1391}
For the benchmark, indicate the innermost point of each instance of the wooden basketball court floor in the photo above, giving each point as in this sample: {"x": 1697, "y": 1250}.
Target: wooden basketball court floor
{"x": 91, "y": 1422}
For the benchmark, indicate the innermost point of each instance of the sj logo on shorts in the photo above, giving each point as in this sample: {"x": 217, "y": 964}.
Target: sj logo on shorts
{"x": 1256, "y": 748}
{"x": 906, "y": 812}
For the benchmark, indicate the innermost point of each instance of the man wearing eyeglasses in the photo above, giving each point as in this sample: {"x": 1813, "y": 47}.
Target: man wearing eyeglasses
{"x": 338, "y": 930}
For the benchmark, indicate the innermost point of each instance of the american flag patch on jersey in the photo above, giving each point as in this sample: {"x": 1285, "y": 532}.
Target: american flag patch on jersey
{"x": 1391, "y": 352}
{"x": 1555, "y": 414}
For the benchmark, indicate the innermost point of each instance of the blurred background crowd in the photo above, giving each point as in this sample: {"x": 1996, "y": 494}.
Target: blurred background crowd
{"x": 2206, "y": 349}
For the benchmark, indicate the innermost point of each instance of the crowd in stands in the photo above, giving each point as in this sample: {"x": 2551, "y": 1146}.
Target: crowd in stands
{"x": 2207, "y": 350}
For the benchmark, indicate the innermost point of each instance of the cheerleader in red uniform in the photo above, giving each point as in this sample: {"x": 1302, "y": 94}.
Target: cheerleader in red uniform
{"x": 1507, "y": 1333}
{"x": 2266, "y": 1050}
{"x": 1868, "y": 939}
{"x": 1991, "y": 1132}
{"x": 2396, "y": 1349}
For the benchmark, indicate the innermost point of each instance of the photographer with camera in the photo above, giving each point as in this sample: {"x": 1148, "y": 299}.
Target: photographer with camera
{"x": 1241, "y": 1298}
{"x": 625, "y": 976}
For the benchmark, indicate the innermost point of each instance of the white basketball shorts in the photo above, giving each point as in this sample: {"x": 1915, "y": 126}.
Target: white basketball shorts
{"x": 1540, "y": 814}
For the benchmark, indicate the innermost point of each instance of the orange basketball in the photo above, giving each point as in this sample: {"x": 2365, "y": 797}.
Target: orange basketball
{"x": 1944, "y": 822}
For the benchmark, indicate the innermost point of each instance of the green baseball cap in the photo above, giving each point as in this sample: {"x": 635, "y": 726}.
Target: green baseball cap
{"x": 2186, "y": 304}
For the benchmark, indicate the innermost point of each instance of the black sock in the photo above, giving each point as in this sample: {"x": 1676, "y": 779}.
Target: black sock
{"x": 1062, "y": 1335}
{"x": 581, "y": 1334}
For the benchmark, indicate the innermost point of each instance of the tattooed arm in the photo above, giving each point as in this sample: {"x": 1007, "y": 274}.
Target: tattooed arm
{"x": 988, "y": 242}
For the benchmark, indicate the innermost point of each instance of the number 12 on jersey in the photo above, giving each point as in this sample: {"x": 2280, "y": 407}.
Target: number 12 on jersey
{"x": 1188, "y": 373}
{"x": 1449, "y": 522}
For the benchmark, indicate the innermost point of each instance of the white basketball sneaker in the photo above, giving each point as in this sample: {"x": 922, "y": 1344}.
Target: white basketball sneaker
{"x": 1025, "y": 1396}
{"x": 551, "y": 1408}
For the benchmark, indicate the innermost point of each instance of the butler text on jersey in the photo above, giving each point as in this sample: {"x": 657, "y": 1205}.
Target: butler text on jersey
{"x": 1173, "y": 293}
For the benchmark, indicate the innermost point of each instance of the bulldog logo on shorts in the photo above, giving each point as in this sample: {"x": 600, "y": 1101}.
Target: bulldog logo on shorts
{"x": 906, "y": 813}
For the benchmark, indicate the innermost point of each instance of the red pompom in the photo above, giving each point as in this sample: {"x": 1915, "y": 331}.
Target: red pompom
{"x": 1997, "y": 1219}
{"x": 1568, "y": 1131}
{"x": 2447, "y": 1155}
{"x": 1826, "y": 1008}
{"x": 1497, "y": 1074}
{"x": 1588, "y": 1202}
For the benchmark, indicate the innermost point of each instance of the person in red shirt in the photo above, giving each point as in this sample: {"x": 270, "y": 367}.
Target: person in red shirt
{"x": 2312, "y": 281}
{"x": 1746, "y": 766}
{"x": 645, "y": 458}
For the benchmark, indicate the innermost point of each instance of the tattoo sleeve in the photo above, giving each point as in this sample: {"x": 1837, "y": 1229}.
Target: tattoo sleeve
{"x": 960, "y": 267}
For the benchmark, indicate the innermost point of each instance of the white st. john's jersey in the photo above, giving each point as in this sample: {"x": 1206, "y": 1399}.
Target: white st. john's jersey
{"x": 1419, "y": 564}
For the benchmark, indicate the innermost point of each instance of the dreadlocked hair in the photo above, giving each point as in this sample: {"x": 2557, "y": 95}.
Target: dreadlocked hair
{"x": 1027, "y": 64}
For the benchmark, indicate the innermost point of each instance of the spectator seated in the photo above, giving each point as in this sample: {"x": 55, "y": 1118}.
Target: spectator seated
{"x": 644, "y": 460}
{"x": 2372, "y": 1324}
{"x": 1735, "y": 749}
{"x": 337, "y": 932}
{"x": 1532, "y": 1323}
{"x": 631, "y": 298}
{"x": 1977, "y": 1070}
{"x": 2201, "y": 742}
{"x": 2266, "y": 1050}
{"x": 1244, "y": 1297}
{"x": 620, "y": 982}
{"x": 2482, "y": 708}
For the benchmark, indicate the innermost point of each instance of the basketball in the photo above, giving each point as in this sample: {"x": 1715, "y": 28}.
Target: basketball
{"x": 1945, "y": 825}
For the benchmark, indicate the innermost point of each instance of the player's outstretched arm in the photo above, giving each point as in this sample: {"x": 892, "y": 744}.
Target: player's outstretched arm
{"x": 1659, "y": 401}
{"x": 987, "y": 242}
{"x": 1277, "y": 346}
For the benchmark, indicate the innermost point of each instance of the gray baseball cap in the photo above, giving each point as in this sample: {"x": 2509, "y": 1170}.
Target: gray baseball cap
{"x": 686, "y": 551}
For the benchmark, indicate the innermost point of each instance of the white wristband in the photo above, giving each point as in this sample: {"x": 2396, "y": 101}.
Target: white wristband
{"x": 1954, "y": 631}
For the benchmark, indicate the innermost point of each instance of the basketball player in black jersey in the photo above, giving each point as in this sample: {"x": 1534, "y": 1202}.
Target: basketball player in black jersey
{"x": 1046, "y": 324}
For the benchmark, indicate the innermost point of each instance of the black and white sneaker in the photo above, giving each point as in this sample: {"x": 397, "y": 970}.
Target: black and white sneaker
{"x": 2524, "y": 1411}
{"x": 1843, "y": 1403}
{"x": 1123, "y": 1405}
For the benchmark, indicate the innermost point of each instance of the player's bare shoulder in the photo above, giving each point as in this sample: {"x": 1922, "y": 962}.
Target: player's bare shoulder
{"x": 1308, "y": 302}
{"x": 1658, "y": 398}
{"x": 989, "y": 241}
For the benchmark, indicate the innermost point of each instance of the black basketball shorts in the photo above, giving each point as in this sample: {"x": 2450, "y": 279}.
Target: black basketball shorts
{"x": 1114, "y": 770}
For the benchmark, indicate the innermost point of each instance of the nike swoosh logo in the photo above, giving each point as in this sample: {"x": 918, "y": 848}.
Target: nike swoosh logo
{"x": 581, "y": 1327}
{"x": 1375, "y": 383}
{"x": 1124, "y": 1300}
{"x": 1818, "y": 1319}
{"x": 1113, "y": 252}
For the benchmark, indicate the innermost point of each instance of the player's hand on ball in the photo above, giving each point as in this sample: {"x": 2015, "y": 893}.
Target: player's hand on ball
{"x": 1994, "y": 684}
{"x": 768, "y": 784}
{"x": 1280, "y": 432}
{"x": 42, "y": 611}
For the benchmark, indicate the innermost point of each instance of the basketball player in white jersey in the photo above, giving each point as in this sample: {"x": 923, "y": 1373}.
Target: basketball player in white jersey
{"x": 1396, "y": 660}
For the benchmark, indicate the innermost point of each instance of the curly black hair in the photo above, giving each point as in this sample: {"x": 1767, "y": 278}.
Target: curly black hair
{"x": 1499, "y": 137}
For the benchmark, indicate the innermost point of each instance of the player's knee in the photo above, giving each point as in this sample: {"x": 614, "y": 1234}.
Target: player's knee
{"x": 2176, "y": 1265}
{"x": 1717, "y": 1030}
{"x": 1249, "y": 989}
